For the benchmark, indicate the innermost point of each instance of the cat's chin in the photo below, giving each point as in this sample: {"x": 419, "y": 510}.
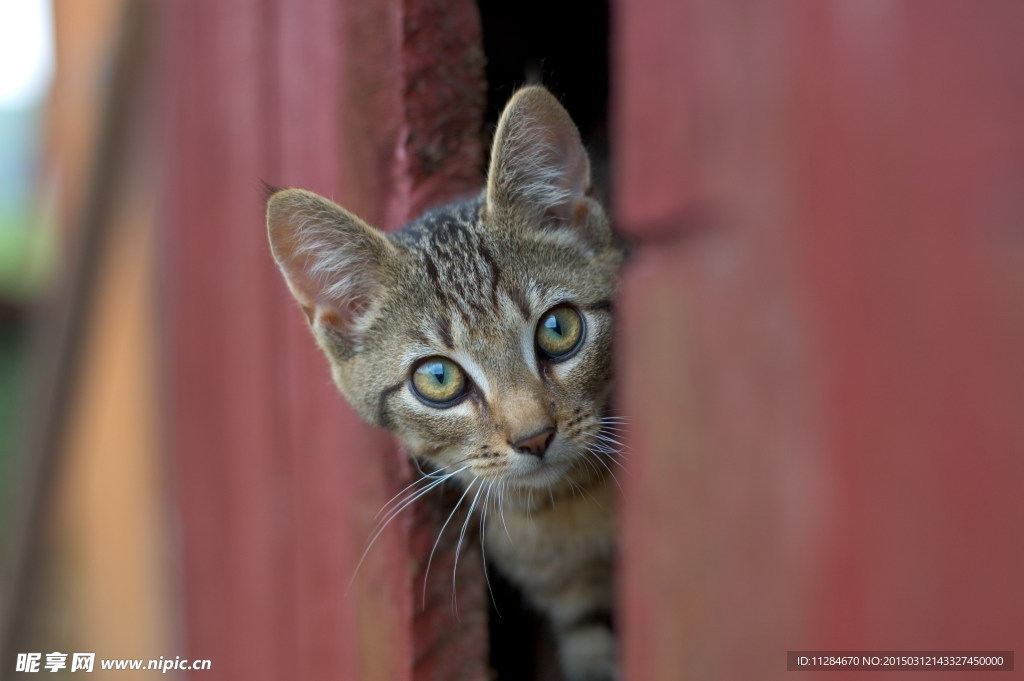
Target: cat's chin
{"x": 540, "y": 475}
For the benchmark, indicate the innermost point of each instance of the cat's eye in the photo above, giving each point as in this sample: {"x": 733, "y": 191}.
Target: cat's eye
{"x": 438, "y": 381}
{"x": 560, "y": 332}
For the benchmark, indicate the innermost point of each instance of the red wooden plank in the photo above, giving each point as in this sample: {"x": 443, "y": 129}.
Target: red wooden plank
{"x": 277, "y": 482}
{"x": 337, "y": 84}
{"x": 216, "y": 332}
{"x": 439, "y": 157}
{"x": 934, "y": 141}
{"x": 821, "y": 330}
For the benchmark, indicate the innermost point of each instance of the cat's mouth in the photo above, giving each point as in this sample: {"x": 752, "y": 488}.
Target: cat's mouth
{"x": 541, "y": 475}
{"x": 531, "y": 471}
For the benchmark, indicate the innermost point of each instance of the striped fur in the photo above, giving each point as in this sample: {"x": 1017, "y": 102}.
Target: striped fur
{"x": 469, "y": 282}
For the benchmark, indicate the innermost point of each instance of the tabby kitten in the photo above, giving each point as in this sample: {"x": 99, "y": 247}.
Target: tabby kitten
{"x": 480, "y": 334}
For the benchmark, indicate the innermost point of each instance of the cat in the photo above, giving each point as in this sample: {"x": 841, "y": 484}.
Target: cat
{"x": 481, "y": 335}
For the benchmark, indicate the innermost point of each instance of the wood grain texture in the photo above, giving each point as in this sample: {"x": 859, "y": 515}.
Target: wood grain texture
{"x": 821, "y": 330}
{"x": 277, "y": 483}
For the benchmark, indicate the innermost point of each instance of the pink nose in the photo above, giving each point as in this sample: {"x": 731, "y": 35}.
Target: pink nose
{"x": 535, "y": 444}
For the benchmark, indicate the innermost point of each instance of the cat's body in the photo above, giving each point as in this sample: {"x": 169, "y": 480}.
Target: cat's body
{"x": 480, "y": 334}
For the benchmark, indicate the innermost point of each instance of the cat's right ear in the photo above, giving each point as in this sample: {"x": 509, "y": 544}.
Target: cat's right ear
{"x": 333, "y": 262}
{"x": 540, "y": 173}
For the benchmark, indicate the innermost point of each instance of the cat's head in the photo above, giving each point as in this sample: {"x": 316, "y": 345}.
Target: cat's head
{"x": 481, "y": 333}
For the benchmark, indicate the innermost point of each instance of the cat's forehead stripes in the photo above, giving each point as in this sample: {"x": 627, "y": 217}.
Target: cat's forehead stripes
{"x": 492, "y": 341}
{"x": 460, "y": 275}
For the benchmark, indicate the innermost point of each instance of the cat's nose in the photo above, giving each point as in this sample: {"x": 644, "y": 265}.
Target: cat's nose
{"x": 535, "y": 444}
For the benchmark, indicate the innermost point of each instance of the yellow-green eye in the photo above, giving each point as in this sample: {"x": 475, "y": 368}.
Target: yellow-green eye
{"x": 559, "y": 332}
{"x": 438, "y": 381}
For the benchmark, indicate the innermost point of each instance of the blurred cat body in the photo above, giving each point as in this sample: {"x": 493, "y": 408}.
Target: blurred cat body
{"x": 480, "y": 334}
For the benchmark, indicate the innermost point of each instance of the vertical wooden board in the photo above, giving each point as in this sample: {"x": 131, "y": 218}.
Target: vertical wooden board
{"x": 440, "y": 158}
{"x": 443, "y": 68}
{"x": 340, "y": 140}
{"x": 819, "y": 330}
{"x": 278, "y": 483}
{"x": 725, "y": 493}
{"x": 913, "y": 148}
{"x": 223, "y": 426}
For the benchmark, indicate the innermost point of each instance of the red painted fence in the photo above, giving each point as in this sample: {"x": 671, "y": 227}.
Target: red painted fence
{"x": 822, "y": 330}
{"x": 378, "y": 105}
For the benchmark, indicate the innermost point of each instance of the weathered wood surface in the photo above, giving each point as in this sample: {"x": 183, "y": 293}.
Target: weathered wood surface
{"x": 377, "y": 105}
{"x": 822, "y": 330}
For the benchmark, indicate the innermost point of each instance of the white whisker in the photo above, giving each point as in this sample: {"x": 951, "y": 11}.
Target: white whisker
{"x": 483, "y": 547}
{"x": 609, "y": 439}
{"x": 433, "y": 475}
{"x": 599, "y": 458}
{"x": 413, "y": 497}
{"x": 501, "y": 508}
{"x": 391, "y": 515}
{"x": 458, "y": 548}
{"x": 430, "y": 559}
{"x": 612, "y": 457}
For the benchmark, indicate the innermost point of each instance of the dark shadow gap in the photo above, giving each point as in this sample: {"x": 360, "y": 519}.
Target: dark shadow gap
{"x": 563, "y": 46}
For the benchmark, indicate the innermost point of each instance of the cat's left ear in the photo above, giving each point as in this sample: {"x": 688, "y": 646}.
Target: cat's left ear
{"x": 540, "y": 172}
